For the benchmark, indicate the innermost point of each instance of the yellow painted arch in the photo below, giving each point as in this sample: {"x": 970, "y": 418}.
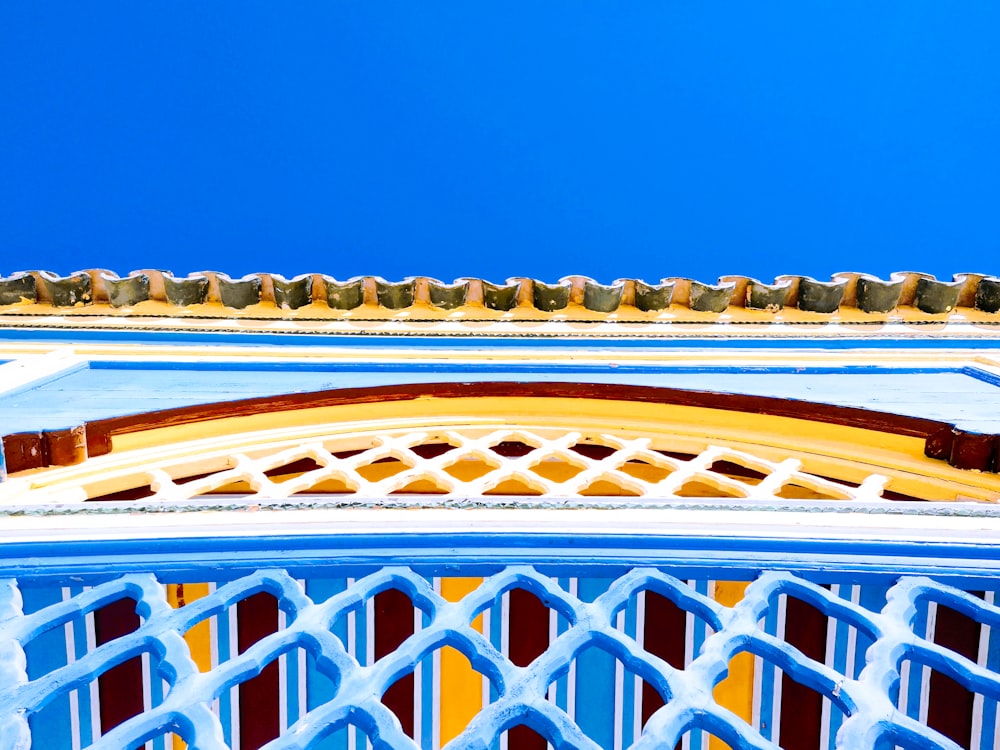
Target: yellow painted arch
{"x": 845, "y": 453}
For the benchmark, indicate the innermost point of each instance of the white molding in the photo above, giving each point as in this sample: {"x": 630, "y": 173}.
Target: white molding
{"x": 726, "y": 522}
{"x": 28, "y": 372}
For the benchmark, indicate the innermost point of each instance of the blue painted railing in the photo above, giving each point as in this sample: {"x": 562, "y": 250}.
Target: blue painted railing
{"x": 335, "y": 683}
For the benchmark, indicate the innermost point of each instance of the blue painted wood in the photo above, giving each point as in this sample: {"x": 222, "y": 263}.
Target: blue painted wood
{"x": 844, "y": 632}
{"x": 45, "y": 653}
{"x": 319, "y": 688}
{"x": 109, "y": 389}
{"x": 562, "y": 625}
{"x": 292, "y": 667}
{"x": 733, "y": 557}
{"x": 629, "y": 697}
{"x": 426, "y": 688}
{"x": 915, "y": 688}
{"x": 335, "y": 366}
{"x": 595, "y": 680}
{"x": 496, "y": 640}
{"x": 362, "y": 647}
{"x": 866, "y": 697}
{"x": 700, "y": 632}
{"x": 768, "y": 726}
{"x": 980, "y": 374}
{"x": 873, "y": 598}
{"x": 228, "y": 708}
{"x": 157, "y": 694}
{"x": 990, "y": 730}
{"x": 45, "y": 379}
{"x": 87, "y": 714}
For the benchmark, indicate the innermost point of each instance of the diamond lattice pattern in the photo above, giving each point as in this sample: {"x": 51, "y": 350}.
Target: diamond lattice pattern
{"x": 867, "y": 700}
{"x": 456, "y": 463}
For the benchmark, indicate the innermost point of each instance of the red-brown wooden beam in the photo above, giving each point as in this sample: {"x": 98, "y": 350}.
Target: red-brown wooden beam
{"x": 960, "y": 448}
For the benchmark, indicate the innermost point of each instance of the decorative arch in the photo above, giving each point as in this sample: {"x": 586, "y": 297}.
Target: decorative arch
{"x": 564, "y": 443}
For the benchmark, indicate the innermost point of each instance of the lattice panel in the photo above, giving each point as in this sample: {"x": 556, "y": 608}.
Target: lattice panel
{"x": 472, "y": 463}
{"x": 868, "y": 701}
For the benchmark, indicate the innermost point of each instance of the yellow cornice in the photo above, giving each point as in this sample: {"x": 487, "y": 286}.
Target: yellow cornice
{"x": 846, "y": 452}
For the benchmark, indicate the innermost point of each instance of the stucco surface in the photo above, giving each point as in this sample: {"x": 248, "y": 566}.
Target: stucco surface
{"x": 91, "y": 394}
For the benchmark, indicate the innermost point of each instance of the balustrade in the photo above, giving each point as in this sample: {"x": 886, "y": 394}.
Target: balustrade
{"x": 497, "y": 639}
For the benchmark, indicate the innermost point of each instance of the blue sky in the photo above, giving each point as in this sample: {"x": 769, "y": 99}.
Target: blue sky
{"x": 642, "y": 139}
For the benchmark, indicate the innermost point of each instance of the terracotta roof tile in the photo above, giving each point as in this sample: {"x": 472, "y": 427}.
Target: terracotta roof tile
{"x": 859, "y": 291}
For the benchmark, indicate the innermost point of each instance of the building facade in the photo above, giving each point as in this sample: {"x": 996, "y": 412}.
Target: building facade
{"x": 309, "y": 513}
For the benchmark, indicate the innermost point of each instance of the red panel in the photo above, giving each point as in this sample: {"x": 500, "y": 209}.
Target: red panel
{"x": 525, "y": 738}
{"x": 393, "y": 625}
{"x": 664, "y": 635}
{"x": 120, "y": 688}
{"x": 529, "y": 637}
{"x": 802, "y": 708}
{"x": 949, "y": 710}
{"x": 257, "y": 617}
{"x": 529, "y": 627}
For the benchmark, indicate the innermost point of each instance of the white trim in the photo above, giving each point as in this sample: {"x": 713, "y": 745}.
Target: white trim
{"x": 726, "y": 522}
{"x": 282, "y": 678}
{"x": 436, "y": 685}
{"x": 978, "y": 699}
{"x": 234, "y": 691}
{"x": 487, "y": 686}
{"x": 352, "y": 651}
{"x": 550, "y": 694}
{"x": 94, "y": 686}
{"x": 925, "y": 672}
{"x": 779, "y": 632}
{"x": 689, "y": 654}
{"x": 147, "y": 698}
{"x": 640, "y": 640}
{"x": 505, "y": 647}
{"x": 905, "y": 675}
{"x": 619, "y": 720}
{"x": 400, "y": 350}
{"x": 574, "y": 591}
{"x": 302, "y": 699}
{"x": 369, "y": 645}
{"x": 904, "y": 323}
{"x": 74, "y": 697}
{"x": 851, "y": 654}
{"x": 831, "y": 646}
{"x": 30, "y": 372}
{"x": 418, "y": 682}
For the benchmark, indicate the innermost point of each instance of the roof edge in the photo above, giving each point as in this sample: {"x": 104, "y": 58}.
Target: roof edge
{"x": 857, "y": 291}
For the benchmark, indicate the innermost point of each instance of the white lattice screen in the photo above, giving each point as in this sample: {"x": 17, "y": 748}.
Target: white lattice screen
{"x": 466, "y": 461}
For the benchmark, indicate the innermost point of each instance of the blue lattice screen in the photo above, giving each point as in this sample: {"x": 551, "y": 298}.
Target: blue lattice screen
{"x": 599, "y": 680}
